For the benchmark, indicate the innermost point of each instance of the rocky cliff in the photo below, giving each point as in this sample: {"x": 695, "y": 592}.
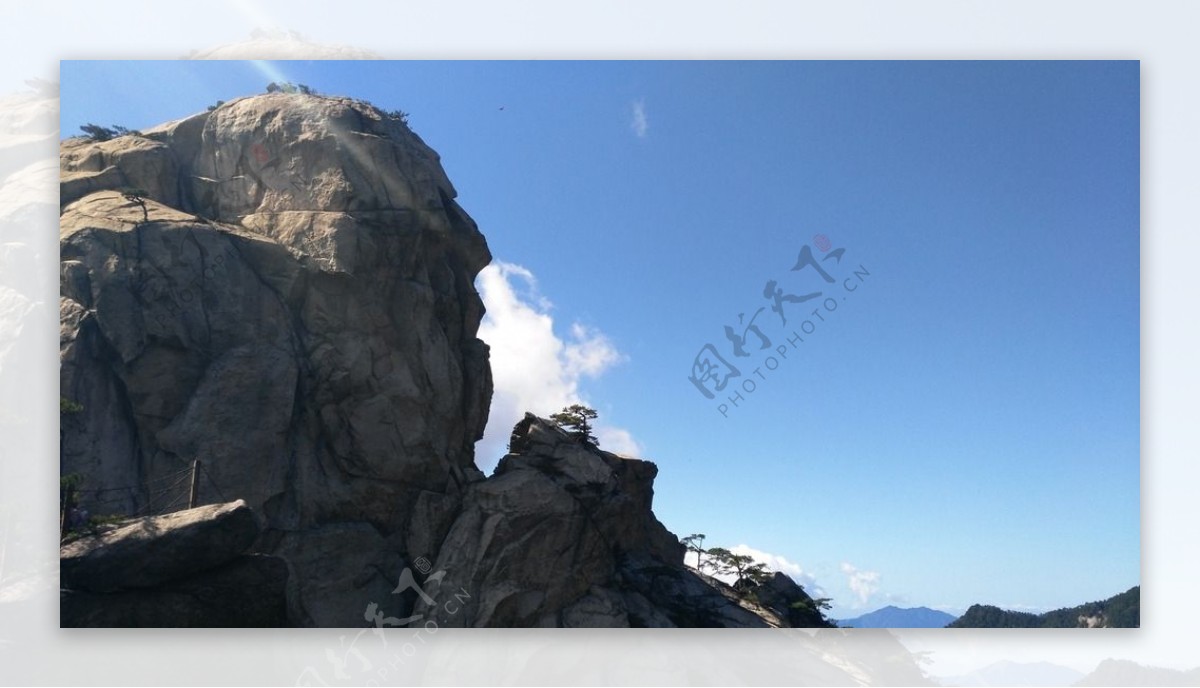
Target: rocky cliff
{"x": 563, "y": 534}
{"x": 282, "y": 289}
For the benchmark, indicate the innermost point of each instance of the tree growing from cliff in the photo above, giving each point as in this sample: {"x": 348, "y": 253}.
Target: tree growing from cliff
{"x": 95, "y": 132}
{"x": 398, "y": 114}
{"x": 819, "y": 605}
{"x": 289, "y": 87}
{"x": 138, "y": 198}
{"x": 694, "y": 543}
{"x": 742, "y": 567}
{"x": 576, "y": 421}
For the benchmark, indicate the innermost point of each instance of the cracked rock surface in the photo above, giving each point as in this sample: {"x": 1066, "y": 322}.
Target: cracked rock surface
{"x": 281, "y": 288}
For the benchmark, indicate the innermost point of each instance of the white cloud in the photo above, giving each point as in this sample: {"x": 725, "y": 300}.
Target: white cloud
{"x": 591, "y": 353}
{"x": 533, "y": 368}
{"x": 862, "y": 583}
{"x": 773, "y": 561}
{"x": 618, "y": 441}
{"x": 640, "y": 124}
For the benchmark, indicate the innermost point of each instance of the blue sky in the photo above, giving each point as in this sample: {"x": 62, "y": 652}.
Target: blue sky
{"x": 963, "y": 428}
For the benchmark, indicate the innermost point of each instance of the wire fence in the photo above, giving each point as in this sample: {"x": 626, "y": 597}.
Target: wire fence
{"x": 82, "y": 508}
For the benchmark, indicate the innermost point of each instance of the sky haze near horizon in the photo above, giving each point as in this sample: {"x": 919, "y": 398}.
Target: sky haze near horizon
{"x": 961, "y": 428}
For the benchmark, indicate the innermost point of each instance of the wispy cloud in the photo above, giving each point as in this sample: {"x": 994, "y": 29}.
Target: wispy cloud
{"x": 618, "y": 441}
{"x": 862, "y": 583}
{"x": 640, "y": 124}
{"x": 533, "y": 368}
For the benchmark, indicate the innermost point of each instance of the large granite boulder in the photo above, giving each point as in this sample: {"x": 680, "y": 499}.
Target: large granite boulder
{"x": 149, "y": 551}
{"x": 563, "y": 534}
{"x": 184, "y": 569}
{"x": 283, "y": 289}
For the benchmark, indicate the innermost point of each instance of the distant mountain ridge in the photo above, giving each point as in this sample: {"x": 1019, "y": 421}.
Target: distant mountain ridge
{"x": 1118, "y": 611}
{"x": 1009, "y": 673}
{"x": 1122, "y": 672}
{"x": 899, "y": 617}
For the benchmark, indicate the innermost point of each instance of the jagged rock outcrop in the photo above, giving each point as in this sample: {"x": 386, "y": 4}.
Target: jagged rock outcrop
{"x": 563, "y": 534}
{"x": 186, "y": 568}
{"x": 282, "y": 289}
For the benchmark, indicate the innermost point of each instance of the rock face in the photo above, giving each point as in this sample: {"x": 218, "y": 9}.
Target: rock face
{"x": 186, "y": 568}
{"x": 288, "y": 298}
{"x": 249, "y": 591}
{"x": 282, "y": 289}
{"x": 563, "y": 535}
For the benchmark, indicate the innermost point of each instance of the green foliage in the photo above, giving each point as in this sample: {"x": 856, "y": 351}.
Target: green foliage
{"x": 68, "y": 497}
{"x": 218, "y": 104}
{"x": 750, "y": 578}
{"x": 988, "y": 616}
{"x": 694, "y": 543}
{"x": 66, "y": 406}
{"x": 98, "y": 522}
{"x": 68, "y": 491}
{"x": 289, "y": 87}
{"x": 576, "y": 421}
{"x": 1119, "y": 611}
{"x": 742, "y": 566}
{"x": 398, "y": 114}
{"x": 95, "y": 132}
{"x": 70, "y": 481}
{"x": 810, "y": 613}
{"x": 717, "y": 562}
{"x": 94, "y": 526}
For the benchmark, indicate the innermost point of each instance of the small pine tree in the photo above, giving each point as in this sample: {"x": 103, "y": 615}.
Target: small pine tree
{"x": 575, "y": 420}
{"x": 398, "y": 114}
{"x": 694, "y": 543}
{"x": 137, "y": 197}
{"x": 95, "y": 132}
{"x": 745, "y": 570}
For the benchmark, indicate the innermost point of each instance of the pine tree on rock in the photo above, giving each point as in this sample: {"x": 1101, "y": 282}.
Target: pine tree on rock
{"x": 574, "y": 419}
